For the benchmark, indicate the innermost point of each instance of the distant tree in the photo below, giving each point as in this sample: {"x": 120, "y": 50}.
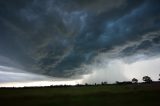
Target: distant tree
{"x": 103, "y": 83}
{"x": 117, "y": 82}
{"x": 86, "y": 84}
{"x": 147, "y": 79}
{"x": 123, "y": 83}
{"x": 134, "y": 80}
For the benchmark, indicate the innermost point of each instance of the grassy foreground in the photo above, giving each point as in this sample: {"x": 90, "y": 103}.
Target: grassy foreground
{"x": 106, "y": 95}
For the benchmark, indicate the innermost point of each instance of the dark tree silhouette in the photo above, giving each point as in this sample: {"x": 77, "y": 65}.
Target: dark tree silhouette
{"x": 103, "y": 83}
{"x": 134, "y": 80}
{"x": 147, "y": 79}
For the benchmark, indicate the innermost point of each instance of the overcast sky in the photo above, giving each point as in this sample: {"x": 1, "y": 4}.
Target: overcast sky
{"x": 87, "y": 40}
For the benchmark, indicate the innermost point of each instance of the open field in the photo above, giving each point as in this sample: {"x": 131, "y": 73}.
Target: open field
{"x": 108, "y": 95}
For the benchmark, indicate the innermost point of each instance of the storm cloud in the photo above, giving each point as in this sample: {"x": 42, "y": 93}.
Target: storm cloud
{"x": 61, "y": 38}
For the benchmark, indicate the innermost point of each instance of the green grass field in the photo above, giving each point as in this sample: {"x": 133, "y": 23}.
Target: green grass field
{"x": 106, "y": 95}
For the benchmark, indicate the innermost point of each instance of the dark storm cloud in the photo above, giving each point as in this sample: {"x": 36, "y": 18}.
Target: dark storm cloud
{"x": 57, "y": 37}
{"x": 148, "y": 45}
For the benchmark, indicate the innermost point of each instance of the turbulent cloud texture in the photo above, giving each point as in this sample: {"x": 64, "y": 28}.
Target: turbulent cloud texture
{"x": 61, "y": 38}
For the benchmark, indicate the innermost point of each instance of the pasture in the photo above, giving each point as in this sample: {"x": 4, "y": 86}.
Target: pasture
{"x": 99, "y": 95}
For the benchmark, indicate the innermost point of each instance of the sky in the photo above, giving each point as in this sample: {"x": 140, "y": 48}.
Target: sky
{"x": 78, "y": 41}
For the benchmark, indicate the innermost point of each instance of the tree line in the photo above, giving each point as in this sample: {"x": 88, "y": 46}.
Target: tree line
{"x": 146, "y": 79}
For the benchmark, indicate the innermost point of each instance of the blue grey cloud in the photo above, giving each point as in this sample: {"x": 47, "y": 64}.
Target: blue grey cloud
{"x": 58, "y": 37}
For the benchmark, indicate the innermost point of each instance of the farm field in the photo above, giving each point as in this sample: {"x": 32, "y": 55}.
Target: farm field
{"x": 107, "y": 95}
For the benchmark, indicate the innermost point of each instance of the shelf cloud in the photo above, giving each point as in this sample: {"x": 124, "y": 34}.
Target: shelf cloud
{"x": 60, "y": 38}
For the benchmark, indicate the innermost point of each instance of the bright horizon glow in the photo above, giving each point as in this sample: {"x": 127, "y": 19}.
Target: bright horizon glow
{"x": 39, "y": 83}
{"x": 116, "y": 70}
{"x": 20, "y": 78}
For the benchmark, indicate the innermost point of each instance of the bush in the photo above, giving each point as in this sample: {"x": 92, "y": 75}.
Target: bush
{"x": 147, "y": 79}
{"x": 134, "y": 80}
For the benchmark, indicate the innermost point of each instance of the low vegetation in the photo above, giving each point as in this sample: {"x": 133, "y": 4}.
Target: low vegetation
{"x": 98, "y": 95}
